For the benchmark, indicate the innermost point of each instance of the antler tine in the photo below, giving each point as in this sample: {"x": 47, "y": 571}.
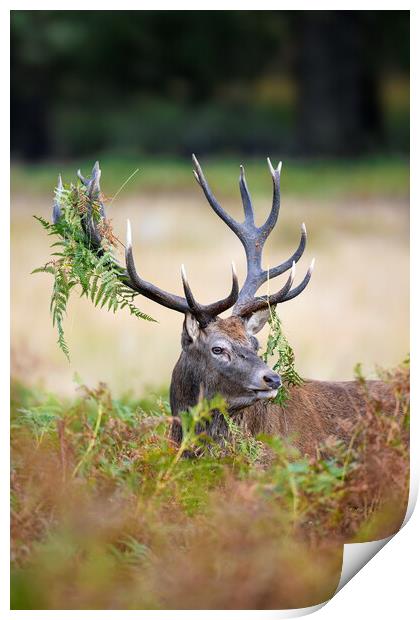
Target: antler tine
{"x": 281, "y": 294}
{"x": 93, "y": 192}
{"x": 174, "y": 302}
{"x": 285, "y": 294}
{"x": 274, "y": 213}
{"x": 251, "y": 236}
{"x": 93, "y": 183}
{"x": 57, "y": 197}
{"x": 194, "y": 306}
{"x": 94, "y": 188}
{"x": 204, "y": 314}
{"x": 88, "y": 223}
{"x": 218, "y": 307}
{"x": 253, "y": 240}
{"x": 301, "y": 287}
{"x": 258, "y": 303}
{"x": 246, "y": 198}
{"x": 276, "y": 271}
{"x": 201, "y": 180}
{"x": 83, "y": 179}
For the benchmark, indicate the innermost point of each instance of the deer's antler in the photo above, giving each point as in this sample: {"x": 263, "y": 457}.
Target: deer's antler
{"x": 203, "y": 313}
{"x": 253, "y": 239}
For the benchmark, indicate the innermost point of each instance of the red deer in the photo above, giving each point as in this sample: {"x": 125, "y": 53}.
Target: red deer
{"x": 220, "y": 355}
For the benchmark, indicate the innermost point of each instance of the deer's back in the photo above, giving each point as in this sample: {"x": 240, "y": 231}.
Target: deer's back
{"x": 318, "y": 410}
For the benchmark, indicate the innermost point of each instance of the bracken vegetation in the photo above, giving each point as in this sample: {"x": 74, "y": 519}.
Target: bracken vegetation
{"x": 107, "y": 513}
{"x": 279, "y": 348}
{"x": 75, "y": 265}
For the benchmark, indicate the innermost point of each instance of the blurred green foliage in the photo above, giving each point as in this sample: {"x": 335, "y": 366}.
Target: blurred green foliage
{"x": 174, "y": 82}
{"x": 107, "y": 515}
{"x": 323, "y": 179}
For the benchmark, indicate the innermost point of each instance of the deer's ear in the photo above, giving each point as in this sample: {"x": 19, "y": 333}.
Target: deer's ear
{"x": 191, "y": 329}
{"x": 256, "y": 321}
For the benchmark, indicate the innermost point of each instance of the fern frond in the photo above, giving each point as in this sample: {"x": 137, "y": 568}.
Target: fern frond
{"x": 75, "y": 264}
{"x": 47, "y": 225}
{"x": 46, "y": 269}
{"x": 279, "y": 348}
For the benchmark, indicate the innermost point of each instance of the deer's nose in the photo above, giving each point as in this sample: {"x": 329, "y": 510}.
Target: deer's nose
{"x": 273, "y": 380}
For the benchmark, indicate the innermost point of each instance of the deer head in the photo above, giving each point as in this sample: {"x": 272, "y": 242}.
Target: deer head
{"x": 219, "y": 355}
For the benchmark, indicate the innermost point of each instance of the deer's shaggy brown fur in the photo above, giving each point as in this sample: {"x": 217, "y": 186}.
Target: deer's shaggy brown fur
{"x": 233, "y": 327}
{"x": 316, "y": 411}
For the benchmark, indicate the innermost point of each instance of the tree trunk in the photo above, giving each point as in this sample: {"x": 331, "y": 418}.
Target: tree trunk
{"x": 338, "y": 110}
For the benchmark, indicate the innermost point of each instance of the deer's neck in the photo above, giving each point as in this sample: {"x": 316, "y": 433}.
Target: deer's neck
{"x": 186, "y": 380}
{"x": 190, "y": 380}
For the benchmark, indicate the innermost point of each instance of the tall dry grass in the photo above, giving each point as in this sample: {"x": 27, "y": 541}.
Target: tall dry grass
{"x": 106, "y": 516}
{"x": 355, "y": 309}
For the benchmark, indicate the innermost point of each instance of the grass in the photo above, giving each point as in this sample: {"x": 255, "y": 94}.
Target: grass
{"x": 107, "y": 514}
{"x": 326, "y": 179}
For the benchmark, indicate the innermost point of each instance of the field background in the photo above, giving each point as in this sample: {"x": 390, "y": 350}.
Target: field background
{"x": 354, "y": 310}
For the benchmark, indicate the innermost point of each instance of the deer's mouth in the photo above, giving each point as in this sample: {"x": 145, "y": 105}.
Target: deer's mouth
{"x": 265, "y": 393}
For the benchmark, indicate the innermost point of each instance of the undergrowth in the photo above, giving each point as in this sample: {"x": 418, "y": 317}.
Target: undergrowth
{"x": 75, "y": 265}
{"x": 106, "y": 514}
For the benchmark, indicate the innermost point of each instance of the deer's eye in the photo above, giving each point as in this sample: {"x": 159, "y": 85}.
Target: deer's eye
{"x": 217, "y": 350}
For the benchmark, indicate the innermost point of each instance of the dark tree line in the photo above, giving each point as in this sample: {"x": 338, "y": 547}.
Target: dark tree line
{"x": 91, "y": 64}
